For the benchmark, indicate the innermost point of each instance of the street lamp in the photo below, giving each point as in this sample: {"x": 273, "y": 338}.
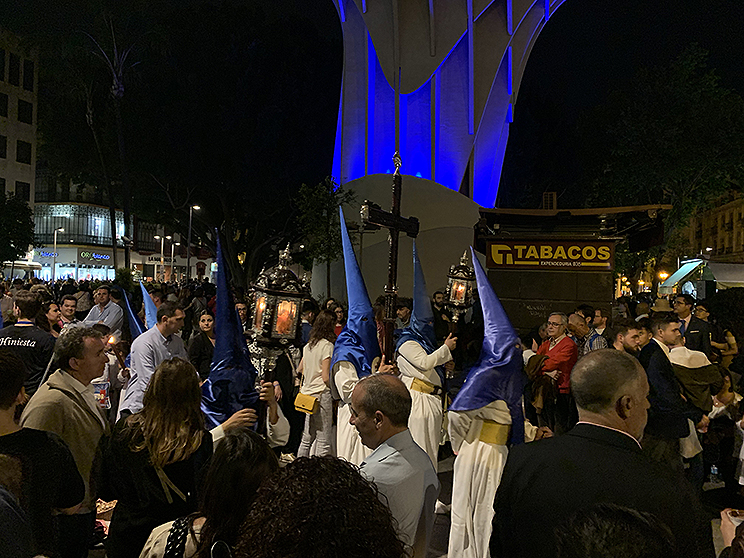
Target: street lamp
{"x": 173, "y": 248}
{"x": 162, "y": 255}
{"x": 54, "y": 255}
{"x": 188, "y": 245}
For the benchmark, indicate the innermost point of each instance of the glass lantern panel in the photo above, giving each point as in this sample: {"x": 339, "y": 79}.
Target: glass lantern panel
{"x": 259, "y": 313}
{"x": 457, "y": 293}
{"x": 285, "y": 324}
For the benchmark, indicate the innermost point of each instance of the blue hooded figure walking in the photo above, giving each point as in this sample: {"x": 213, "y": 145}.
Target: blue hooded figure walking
{"x": 421, "y": 364}
{"x": 485, "y": 416}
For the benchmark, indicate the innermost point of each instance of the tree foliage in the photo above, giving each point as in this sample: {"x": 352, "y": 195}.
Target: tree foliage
{"x": 16, "y": 228}
{"x": 319, "y": 222}
{"x": 674, "y": 136}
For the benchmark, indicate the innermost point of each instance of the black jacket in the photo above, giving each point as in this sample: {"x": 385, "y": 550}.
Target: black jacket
{"x": 667, "y": 417}
{"x": 697, "y": 336}
{"x": 545, "y": 482}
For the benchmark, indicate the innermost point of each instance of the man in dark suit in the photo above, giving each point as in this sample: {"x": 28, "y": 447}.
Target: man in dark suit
{"x": 599, "y": 461}
{"x": 695, "y": 331}
{"x": 667, "y": 417}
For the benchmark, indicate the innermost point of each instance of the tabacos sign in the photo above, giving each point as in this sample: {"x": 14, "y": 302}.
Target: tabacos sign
{"x": 554, "y": 255}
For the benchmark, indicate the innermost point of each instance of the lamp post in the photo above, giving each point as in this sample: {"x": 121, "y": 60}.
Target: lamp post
{"x": 54, "y": 255}
{"x": 188, "y": 244}
{"x": 173, "y": 248}
{"x": 162, "y": 255}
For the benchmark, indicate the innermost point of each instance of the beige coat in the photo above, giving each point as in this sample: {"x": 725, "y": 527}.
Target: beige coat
{"x": 60, "y": 408}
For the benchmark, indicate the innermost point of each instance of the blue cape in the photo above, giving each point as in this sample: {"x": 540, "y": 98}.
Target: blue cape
{"x": 357, "y": 343}
{"x": 231, "y": 385}
{"x": 498, "y": 373}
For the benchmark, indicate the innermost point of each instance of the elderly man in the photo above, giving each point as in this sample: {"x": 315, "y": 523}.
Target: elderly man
{"x": 586, "y": 337}
{"x": 65, "y": 404}
{"x": 149, "y": 350}
{"x": 599, "y": 461}
{"x": 403, "y": 473}
{"x": 562, "y": 354}
{"x": 106, "y": 311}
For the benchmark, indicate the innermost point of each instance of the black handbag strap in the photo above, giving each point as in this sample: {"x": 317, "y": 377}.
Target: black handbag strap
{"x": 175, "y": 546}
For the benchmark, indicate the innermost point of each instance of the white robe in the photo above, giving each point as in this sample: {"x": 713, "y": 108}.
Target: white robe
{"x": 348, "y": 443}
{"x": 477, "y": 474}
{"x": 425, "y": 421}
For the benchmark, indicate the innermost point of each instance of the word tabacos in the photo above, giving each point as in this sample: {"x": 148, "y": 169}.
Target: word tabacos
{"x": 556, "y": 255}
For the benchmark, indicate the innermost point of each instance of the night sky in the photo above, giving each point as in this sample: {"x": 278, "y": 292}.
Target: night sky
{"x": 587, "y": 49}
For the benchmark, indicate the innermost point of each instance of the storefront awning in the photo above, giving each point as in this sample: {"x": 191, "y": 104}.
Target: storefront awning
{"x": 680, "y": 275}
{"x": 727, "y": 275}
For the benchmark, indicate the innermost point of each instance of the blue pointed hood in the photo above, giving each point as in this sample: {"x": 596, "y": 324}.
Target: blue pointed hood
{"x": 151, "y": 311}
{"x": 136, "y": 327}
{"x": 357, "y": 343}
{"x": 421, "y": 326}
{"x": 231, "y": 385}
{"x": 498, "y": 373}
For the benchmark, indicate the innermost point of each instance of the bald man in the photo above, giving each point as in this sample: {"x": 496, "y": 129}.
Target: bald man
{"x": 402, "y": 471}
{"x": 599, "y": 461}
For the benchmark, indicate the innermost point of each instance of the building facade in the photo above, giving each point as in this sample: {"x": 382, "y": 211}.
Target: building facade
{"x": 18, "y": 113}
{"x": 83, "y": 248}
{"x": 718, "y": 233}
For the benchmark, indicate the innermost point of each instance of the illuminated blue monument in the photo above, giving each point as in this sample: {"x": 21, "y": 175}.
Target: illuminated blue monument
{"x": 436, "y": 79}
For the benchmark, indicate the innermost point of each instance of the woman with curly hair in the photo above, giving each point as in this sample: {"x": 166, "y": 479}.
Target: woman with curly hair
{"x": 315, "y": 368}
{"x": 242, "y": 461}
{"x": 154, "y": 459}
{"x": 318, "y": 507}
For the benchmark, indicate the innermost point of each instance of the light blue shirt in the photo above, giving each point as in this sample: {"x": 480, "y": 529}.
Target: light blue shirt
{"x": 112, "y": 315}
{"x": 408, "y": 484}
{"x": 148, "y": 351}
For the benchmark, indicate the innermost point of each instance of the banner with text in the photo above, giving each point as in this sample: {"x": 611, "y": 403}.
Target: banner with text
{"x": 551, "y": 254}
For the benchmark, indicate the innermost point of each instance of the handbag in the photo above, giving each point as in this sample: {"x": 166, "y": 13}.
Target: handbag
{"x": 306, "y": 403}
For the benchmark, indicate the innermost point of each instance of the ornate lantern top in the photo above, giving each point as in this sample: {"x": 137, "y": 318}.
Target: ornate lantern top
{"x": 281, "y": 278}
{"x": 463, "y": 270}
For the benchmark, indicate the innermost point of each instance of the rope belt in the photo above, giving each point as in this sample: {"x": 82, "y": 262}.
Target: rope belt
{"x": 494, "y": 433}
{"x": 425, "y": 387}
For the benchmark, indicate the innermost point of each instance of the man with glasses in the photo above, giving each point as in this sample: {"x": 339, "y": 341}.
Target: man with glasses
{"x": 562, "y": 354}
{"x": 695, "y": 331}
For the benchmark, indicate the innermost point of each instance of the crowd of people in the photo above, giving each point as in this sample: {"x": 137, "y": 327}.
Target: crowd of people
{"x": 606, "y": 419}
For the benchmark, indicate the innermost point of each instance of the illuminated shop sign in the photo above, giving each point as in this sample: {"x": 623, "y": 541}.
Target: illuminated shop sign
{"x": 554, "y": 255}
{"x": 87, "y": 256}
{"x": 45, "y": 254}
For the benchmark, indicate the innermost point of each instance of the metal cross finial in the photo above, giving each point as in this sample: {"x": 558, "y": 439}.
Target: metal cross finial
{"x": 397, "y": 162}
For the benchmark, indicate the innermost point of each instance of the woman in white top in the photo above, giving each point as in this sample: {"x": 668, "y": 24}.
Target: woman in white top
{"x": 315, "y": 367}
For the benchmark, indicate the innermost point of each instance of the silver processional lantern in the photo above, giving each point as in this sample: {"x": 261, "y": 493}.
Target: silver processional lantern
{"x": 460, "y": 284}
{"x": 275, "y": 312}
